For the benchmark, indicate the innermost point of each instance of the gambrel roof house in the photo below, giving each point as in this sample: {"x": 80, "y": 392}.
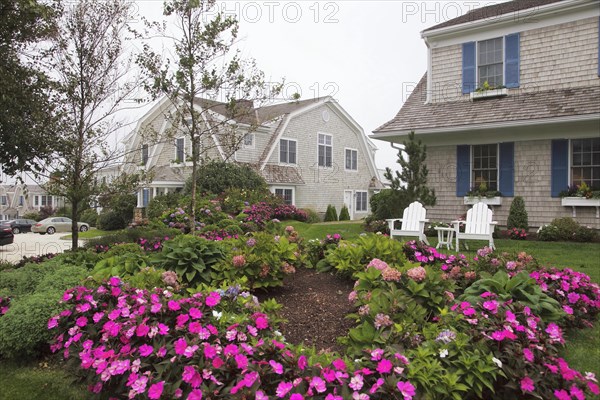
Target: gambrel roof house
{"x": 19, "y": 199}
{"x": 311, "y": 152}
{"x": 511, "y": 98}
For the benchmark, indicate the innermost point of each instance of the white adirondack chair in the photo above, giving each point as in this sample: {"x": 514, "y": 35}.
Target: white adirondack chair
{"x": 412, "y": 222}
{"x": 478, "y": 225}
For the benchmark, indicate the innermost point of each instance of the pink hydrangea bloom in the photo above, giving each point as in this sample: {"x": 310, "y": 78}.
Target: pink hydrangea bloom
{"x": 417, "y": 274}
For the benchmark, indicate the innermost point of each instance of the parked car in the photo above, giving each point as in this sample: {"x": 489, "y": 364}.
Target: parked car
{"x": 57, "y": 224}
{"x": 21, "y": 225}
{"x": 6, "y": 235}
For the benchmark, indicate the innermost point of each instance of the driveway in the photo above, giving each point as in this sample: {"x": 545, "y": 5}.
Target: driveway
{"x": 34, "y": 244}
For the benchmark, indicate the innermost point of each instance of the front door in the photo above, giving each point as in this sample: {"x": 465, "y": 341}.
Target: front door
{"x": 348, "y": 197}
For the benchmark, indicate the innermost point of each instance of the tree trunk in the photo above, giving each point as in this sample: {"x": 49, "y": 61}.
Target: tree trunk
{"x": 74, "y": 227}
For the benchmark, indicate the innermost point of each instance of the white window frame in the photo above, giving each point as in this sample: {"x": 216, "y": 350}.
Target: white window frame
{"x": 3, "y": 200}
{"x": 245, "y": 144}
{"x": 472, "y": 160}
{"x": 570, "y": 176}
{"x": 176, "y": 149}
{"x": 288, "y": 152}
{"x": 355, "y": 152}
{"x": 319, "y": 144}
{"x": 358, "y": 194}
{"x": 274, "y": 190}
{"x": 37, "y": 200}
{"x": 503, "y": 39}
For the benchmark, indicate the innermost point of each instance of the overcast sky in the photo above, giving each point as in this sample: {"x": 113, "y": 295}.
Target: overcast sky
{"x": 368, "y": 55}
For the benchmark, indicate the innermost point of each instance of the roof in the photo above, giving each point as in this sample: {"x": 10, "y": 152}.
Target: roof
{"x": 493, "y": 11}
{"x": 246, "y": 113}
{"x": 416, "y": 115}
{"x": 168, "y": 174}
{"x": 279, "y": 174}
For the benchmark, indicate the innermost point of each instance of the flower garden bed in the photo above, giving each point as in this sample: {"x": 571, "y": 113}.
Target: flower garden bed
{"x": 411, "y": 322}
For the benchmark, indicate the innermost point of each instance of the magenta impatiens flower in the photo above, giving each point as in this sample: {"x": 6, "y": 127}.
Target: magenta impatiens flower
{"x": 213, "y": 299}
{"x": 384, "y": 366}
{"x": 283, "y": 388}
{"x": 156, "y": 390}
{"x": 146, "y": 350}
{"x": 406, "y": 389}
{"x": 528, "y": 354}
{"x": 277, "y": 367}
{"x": 527, "y": 385}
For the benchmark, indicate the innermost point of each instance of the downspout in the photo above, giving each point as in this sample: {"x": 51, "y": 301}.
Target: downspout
{"x": 429, "y": 89}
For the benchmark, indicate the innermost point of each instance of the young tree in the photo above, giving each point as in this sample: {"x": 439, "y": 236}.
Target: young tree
{"x": 411, "y": 181}
{"x": 202, "y": 67}
{"x": 25, "y": 105}
{"x": 93, "y": 86}
{"x": 408, "y": 185}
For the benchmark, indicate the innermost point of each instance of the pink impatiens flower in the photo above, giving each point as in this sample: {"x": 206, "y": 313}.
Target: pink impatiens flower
{"x": 156, "y": 390}
{"x": 527, "y": 385}
{"x": 283, "y": 388}
{"x": 406, "y": 389}
{"x": 528, "y": 354}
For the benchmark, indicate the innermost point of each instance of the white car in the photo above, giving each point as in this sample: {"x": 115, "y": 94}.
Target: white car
{"x": 57, "y": 224}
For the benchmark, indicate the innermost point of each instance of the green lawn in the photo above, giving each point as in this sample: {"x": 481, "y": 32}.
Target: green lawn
{"x": 35, "y": 381}
{"x": 92, "y": 233}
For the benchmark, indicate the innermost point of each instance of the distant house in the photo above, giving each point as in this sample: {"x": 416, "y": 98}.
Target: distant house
{"x": 511, "y": 98}
{"x": 312, "y": 153}
{"x": 17, "y": 200}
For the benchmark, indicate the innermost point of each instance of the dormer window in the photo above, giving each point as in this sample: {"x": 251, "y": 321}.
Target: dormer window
{"x": 495, "y": 61}
{"x": 490, "y": 56}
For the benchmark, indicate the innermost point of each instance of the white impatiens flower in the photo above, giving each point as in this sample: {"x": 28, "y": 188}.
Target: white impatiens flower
{"x": 443, "y": 353}
{"x": 217, "y": 314}
{"x": 498, "y": 362}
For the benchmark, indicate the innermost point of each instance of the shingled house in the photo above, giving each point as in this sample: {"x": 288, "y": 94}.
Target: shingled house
{"x": 310, "y": 152}
{"x": 511, "y": 98}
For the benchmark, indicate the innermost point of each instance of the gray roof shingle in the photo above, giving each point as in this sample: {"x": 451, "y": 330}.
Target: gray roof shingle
{"x": 416, "y": 115}
{"x": 493, "y": 11}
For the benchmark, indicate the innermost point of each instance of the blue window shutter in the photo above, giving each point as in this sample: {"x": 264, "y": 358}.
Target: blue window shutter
{"x": 463, "y": 170}
{"x": 469, "y": 60}
{"x": 507, "y": 169}
{"x": 512, "y": 61}
{"x": 145, "y": 197}
{"x": 560, "y": 166}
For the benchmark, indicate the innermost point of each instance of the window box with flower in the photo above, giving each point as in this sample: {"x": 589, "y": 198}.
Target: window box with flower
{"x": 481, "y": 194}
{"x": 581, "y": 196}
{"x": 487, "y": 91}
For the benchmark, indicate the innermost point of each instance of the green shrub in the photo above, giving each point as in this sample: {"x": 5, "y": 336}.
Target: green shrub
{"x": 330, "y": 214}
{"x": 344, "y": 214}
{"x": 387, "y": 204}
{"x": 585, "y": 234}
{"x": 191, "y": 257}
{"x": 517, "y": 216}
{"x": 147, "y": 278}
{"x": 123, "y": 265}
{"x": 32, "y": 215}
{"x": 22, "y": 281}
{"x": 566, "y": 227}
{"x": 219, "y": 176}
{"x": 111, "y": 221}
{"x": 159, "y": 204}
{"x": 4, "y": 265}
{"x": 259, "y": 261}
{"x": 353, "y": 256}
{"x": 548, "y": 233}
{"x": 122, "y": 249}
{"x": 89, "y": 216}
{"x": 24, "y": 328}
{"x": 519, "y": 288}
{"x": 312, "y": 217}
{"x": 131, "y": 236}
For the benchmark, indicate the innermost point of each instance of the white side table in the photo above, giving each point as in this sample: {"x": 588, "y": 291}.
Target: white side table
{"x": 445, "y": 236}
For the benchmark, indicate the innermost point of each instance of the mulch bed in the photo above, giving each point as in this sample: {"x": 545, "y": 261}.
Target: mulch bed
{"x": 314, "y": 304}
